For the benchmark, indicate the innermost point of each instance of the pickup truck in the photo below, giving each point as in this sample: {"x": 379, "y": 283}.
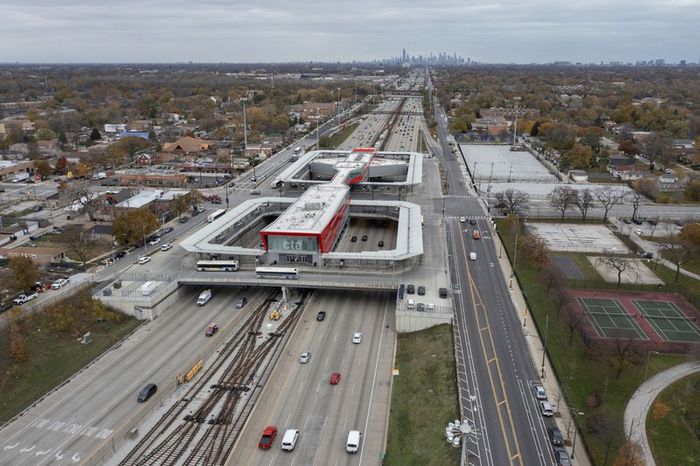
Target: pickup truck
{"x": 23, "y": 298}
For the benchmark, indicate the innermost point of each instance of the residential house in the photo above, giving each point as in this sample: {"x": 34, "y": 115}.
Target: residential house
{"x": 668, "y": 182}
{"x": 187, "y": 145}
{"x": 40, "y": 256}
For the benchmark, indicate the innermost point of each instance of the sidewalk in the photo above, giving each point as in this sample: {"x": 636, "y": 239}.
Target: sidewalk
{"x": 640, "y": 403}
{"x": 534, "y": 342}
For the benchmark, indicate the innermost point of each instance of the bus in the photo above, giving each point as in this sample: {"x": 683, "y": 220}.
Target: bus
{"x": 216, "y": 214}
{"x": 288, "y": 273}
{"x": 217, "y": 266}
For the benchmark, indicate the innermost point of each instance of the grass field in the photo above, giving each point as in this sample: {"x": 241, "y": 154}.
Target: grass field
{"x": 673, "y": 423}
{"x": 424, "y": 400}
{"x": 51, "y": 358}
{"x": 335, "y": 140}
{"x": 584, "y": 372}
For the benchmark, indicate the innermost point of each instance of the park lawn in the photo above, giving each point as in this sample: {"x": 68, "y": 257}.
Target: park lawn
{"x": 54, "y": 241}
{"x": 672, "y": 423}
{"x": 424, "y": 400}
{"x": 692, "y": 265}
{"x": 583, "y": 371}
{"x": 51, "y": 359}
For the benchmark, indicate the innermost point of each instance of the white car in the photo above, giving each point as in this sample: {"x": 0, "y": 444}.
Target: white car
{"x": 166, "y": 247}
{"x": 546, "y": 409}
{"x": 638, "y": 232}
{"x": 462, "y": 219}
{"x": 304, "y": 357}
{"x": 144, "y": 259}
{"x": 539, "y": 392}
{"x": 154, "y": 241}
{"x": 60, "y": 283}
{"x": 357, "y": 337}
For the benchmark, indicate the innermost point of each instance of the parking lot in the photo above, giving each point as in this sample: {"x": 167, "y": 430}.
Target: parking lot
{"x": 499, "y": 163}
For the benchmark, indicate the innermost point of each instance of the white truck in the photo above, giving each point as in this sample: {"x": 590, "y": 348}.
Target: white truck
{"x": 204, "y": 297}
{"x": 20, "y": 177}
{"x": 23, "y": 298}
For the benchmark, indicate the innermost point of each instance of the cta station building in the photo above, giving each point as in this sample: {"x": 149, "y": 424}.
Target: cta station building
{"x": 307, "y": 230}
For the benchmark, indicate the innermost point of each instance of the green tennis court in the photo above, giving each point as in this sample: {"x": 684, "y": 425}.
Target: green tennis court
{"x": 610, "y": 319}
{"x": 668, "y": 320}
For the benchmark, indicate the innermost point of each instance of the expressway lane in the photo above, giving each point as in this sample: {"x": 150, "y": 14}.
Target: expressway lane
{"x": 302, "y": 398}
{"x": 78, "y": 419}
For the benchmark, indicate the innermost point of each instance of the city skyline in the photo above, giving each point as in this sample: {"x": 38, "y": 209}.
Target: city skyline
{"x": 506, "y": 32}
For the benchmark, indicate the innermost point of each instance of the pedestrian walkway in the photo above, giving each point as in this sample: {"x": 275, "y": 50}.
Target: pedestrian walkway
{"x": 642, "y": 399}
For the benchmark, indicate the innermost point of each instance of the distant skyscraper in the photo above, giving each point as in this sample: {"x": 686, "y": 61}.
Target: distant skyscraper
{"x": 404, "y": 56}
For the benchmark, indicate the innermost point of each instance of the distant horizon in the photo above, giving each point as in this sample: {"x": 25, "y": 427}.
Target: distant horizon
{"x": 273, "y": 31}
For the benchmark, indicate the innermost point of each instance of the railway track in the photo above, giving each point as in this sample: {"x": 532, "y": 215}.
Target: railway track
{"x": 202, "y": 427}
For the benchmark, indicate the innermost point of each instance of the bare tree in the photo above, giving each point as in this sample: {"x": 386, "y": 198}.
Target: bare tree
{"x": 617, "y": 263}
{"x": 574, "y": 320}
{"x": 562, "y": 199}
{"x": 80, "y": 242}
{"x": 636, "y": 199}
{"x": 658, "y": 148}
{"x": 609, "y": 198}
{"x": 584, "y": 201}
{"x": 79, "y": 191}
{"x": 513, "y": 202}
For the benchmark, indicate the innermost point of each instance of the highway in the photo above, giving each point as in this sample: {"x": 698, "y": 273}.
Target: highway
{"x": 494, "y": 367}
{"x": 79, "y": 418}
{"x": 300, "y": 396}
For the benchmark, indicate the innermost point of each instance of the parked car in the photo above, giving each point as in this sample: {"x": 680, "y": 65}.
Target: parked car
{"x": 546, "y": 409}
{"x": 638, "y": 221}
{"x": 562, "y": 457}
{"x": 268, "y": 437}
{"x": 357, "y": 338}
{"x": 321, "y": 315}
{"x": 364, "y": 237}
{"x": 539, "y": 392}
{"x": 167, "y": 229}
{"x": 638, "y": 232}
{"x": 212, "y": 329}
{"x": 184, "y": 219}
{"x": 119, "y": 254}
{"x": 23, "y": 298}
{"x": 410, "y": 289}
{"x": 626, "y": 221}
{"x": 147, "y": 392}
{"x": 335, "y": 378}
{"x": 144, "y": 259}
{"x": 353, "y": 239}
{"x": 421, "y": 290}
{"x": 304, "y": 357}
{"x": 60, "y": 283}
{"x": 555, "y": 436}
{"x": 154, "y": 241}
{"x": 462, "y": 219}
{"x": 420, "y": 307}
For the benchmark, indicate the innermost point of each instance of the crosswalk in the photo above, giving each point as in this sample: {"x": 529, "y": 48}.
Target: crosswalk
{"x": 455, "y": 217}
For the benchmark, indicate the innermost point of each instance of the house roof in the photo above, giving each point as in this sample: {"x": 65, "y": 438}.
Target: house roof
{"x": 187, "y": 144}
{"x": 33, "y": 251}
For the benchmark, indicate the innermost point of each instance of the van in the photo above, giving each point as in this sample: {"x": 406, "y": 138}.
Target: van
{"x": 472, "y": 256}
{"x": 353, "y": 443}
{"x": 289, "y": 441}
{"x": 204, "y": 297}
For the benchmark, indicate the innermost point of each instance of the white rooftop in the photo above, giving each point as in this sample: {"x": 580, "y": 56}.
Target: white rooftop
{"x": 143, "y": 198}
{"x": 311, "y": 211}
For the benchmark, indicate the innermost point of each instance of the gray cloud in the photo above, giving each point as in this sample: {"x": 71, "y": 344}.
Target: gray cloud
{"x": 237, "y": 31}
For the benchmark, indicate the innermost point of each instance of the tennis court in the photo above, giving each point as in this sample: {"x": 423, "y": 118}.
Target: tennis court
{"x": 668, "y": 320}
{"x": 610, "y": 319}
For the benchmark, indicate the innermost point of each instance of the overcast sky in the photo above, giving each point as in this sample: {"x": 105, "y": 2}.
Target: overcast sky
{"x": 503, "y": 31}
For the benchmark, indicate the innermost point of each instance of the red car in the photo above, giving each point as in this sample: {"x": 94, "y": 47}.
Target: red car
{"x": 268, "y": 437}
{"x": 212, "y": 329}
{"x": 335, "y": 378}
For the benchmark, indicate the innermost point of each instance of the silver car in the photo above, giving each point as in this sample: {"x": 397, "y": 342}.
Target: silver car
{"x": 305, "y": 356}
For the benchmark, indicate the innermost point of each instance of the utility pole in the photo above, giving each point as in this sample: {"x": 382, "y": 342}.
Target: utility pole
{"x": 544, "y": 350}
{"x": 515, "y": 130}
{"x": 245, "y": 130}
{"x": 488, "y": 191}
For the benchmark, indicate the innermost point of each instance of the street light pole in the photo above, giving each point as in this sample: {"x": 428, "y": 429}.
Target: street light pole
{"x": 544, "y": 350}
{"x": 145, "y": 244}
{"x": 646, "y": 367}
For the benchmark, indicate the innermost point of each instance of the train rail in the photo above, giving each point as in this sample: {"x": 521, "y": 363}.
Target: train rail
{"x": 202, "y": 427}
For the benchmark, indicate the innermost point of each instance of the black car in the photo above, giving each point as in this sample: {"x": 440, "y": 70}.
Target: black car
{"x": 421, "y": 290}
{"x": 184, "y": 219}
{"x": 353, "y": 239}
{"x": 364, "y": 237}
{"x": 562, "y": 457}
{"x": 638, "y": 221}
{"x": 195, "y": 213}
{"x": 119, "y": 254}
{"x": 410, "y": 289}
{"x": 626, "y": 221}
{"x": 555, "y": 436}
{"x": 167, "y": 230}
{"x": 421, "y": 307}
{"x": 321, "y": 316}
{"x": 147, "y": 392}
{"x": 380, "y": 244}
{"x": 472, "y": 221}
